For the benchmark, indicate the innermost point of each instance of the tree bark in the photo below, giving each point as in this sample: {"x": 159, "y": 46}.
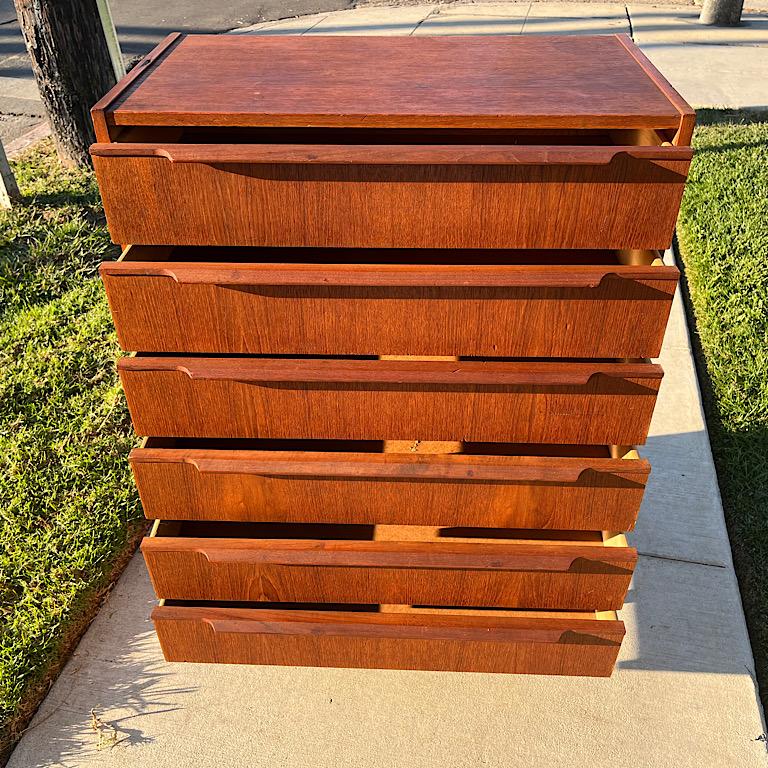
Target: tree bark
{"x": 721, "y": 13}
{"x": 72, "y": 66}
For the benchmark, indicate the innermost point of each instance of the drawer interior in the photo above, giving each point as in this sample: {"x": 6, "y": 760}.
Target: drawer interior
{"x": 413, "y": 611}
{"x": 390, "y": 446}
{"x": 199, "y": 529}
{"x": 388, "y": 358}
{"x": 394, "y": 256}
{"x": 393, "y": 136}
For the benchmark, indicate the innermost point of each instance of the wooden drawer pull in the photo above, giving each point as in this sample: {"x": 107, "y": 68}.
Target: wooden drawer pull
{"x": 404, "y": 277}
{"x": 546, "y": 562}
{"x": 305, "y": 374}
{"x": 397, "y": 154}
{"x": 369, "y": 630}
{"x": 476, "y": 473}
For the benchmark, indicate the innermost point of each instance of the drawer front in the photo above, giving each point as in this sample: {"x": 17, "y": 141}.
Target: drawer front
{"x": 211, "y": 196}
{"x": 427, "y": 641}
{"x": 560, "y": 493}
{"x": 555, "y": 311}
{"x": 580, "y": 403}
{"x": 546, "y": 573}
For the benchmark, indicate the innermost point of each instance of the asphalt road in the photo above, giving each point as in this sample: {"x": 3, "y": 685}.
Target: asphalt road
{"x": 140, "y": 24}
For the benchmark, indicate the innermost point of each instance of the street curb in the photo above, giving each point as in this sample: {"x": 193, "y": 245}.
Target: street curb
{"x": 32, "y": 136}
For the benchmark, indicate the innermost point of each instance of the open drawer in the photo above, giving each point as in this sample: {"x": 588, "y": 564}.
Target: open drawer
{"x": 466, "y": 142}
{"x": 445, "y": 484}
{"x": 521, "y": 401}
{"x": 388, "y": 188}
{"x": 321, "y": 563}
{"x": 391, "y": 637}
{"x": 390, "y": 302}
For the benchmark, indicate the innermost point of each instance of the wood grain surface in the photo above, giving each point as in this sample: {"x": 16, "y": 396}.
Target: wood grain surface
{"x": 570, "y": 644}
{"x": 628, "y": 203}
{"x": 472, "y": 567}
{"x": 504, "y": 309}
{"x": 565, "y": 491}
{"x": 434, "y": 153}
{"x": 476, "y": 81}
{"x": 101, "y": 123}
{"x": 523, "y": 402}
{"x": 684, "y": 133}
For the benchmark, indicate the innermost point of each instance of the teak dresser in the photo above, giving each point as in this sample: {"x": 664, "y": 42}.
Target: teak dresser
{"x": 390, "y": 304}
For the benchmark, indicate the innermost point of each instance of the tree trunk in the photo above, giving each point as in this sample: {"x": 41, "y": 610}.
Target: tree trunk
{"x": 72, "y": 66}
{"x": 721, "y": 13}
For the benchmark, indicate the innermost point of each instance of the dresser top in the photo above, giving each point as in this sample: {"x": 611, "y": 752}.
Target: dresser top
{"x": 411, "y": 82}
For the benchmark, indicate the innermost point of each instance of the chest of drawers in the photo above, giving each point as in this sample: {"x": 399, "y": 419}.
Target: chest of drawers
{"x": 391, "y": 304}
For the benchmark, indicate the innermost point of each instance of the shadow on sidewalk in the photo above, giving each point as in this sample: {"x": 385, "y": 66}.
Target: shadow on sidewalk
{"x": 118, "y": 667}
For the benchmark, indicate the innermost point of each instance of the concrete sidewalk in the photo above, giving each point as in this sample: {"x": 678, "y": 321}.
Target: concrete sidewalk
{"x": 683, "y": 694}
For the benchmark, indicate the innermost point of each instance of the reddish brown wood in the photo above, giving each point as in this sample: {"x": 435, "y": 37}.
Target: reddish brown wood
{"x": 518, "y": 491}
{"x": 523, "y": 402}
{"x": 303, "y": 564}
{"x": 100, "y": 111}
{"x": 417, "y": 371}
{"x": 382, "y": 154}
{"x": 244, "y": 273}
{"x": 621, "y": 191}
{"x": 569, "y": 644}
{"x": 591, "y": 81}
{"x": 687, "y": 113}
{"x": 446, "y": 143}
{"x": 504, "y": 309}
{"x": 382, "y": 267}
{"x": 627, "y": 203}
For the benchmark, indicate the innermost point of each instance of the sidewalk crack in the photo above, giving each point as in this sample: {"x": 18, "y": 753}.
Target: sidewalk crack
{"x": 525, "y": 20}
{"x": 681, "y": 560}
{"x": 319, "y": 21}
{"x": 433, "y": 12}
{"x": 629, "y": 21}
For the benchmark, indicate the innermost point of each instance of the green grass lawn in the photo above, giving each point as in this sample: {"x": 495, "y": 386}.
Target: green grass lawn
{"x": 723, "y": 238}
{"x": 68, "y": 513}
